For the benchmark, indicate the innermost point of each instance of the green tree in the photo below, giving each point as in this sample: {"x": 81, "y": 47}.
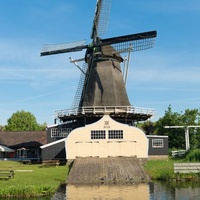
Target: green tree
{"x": 191, "y": 117}
{"x": 23, "y": 121}
{"x": 177, "y": 135}
{"x": 147, "y": 127}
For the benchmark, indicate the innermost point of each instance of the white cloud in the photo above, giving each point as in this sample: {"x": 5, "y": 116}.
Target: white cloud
{"x": 19, "y": 62}
{"x": 160, "y": 75}
{"x": 166, "y": 68}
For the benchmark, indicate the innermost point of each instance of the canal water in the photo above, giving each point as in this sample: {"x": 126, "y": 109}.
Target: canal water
{"x": 150, "y": 191}
{"x": 144, "y": 191}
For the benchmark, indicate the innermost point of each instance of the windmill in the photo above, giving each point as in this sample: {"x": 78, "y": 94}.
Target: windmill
{"x": 102, "y": 86}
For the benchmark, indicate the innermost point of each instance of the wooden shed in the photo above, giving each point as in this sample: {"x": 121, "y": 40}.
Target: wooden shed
{"x": 158, "y": 146}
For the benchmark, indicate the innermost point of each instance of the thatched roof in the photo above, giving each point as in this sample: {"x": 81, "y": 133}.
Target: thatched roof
{"x": 24, "y": 138}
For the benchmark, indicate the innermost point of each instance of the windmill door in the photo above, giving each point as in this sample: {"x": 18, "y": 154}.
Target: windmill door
{"x": 128, "y": 148}
{"x": 113, "y": 148}
{"x": 83, "y": 149}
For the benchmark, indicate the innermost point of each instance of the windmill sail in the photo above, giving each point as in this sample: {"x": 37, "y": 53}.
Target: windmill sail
{"x": 79, "y": 90}
{"x": 103, "y": 83}
{"x": 139, "y": 42}
{"x": 100, "y": 22}
{"x": 50, "y": 49}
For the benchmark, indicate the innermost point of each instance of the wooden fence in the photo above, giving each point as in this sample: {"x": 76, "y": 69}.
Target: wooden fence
{"x": 186, "y": 167}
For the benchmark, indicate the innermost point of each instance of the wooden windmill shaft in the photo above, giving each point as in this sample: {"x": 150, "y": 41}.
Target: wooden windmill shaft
{"x": 105, "y": 85}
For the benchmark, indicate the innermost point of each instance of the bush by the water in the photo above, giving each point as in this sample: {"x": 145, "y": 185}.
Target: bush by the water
{"x": 193, "y": 155}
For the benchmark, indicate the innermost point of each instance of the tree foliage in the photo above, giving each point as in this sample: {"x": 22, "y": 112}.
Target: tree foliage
{"x": 177, "y": 135}
{"x": 23, "y": 121}
{"x": 148, "y": 127}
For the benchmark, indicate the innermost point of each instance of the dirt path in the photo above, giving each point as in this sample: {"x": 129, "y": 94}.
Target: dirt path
{"x": 107, "y": 170}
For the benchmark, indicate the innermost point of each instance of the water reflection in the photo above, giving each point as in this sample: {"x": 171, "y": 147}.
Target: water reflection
{"x": 122, "y": 192}
{"x": 176, "y": 190}
{"x": 150, "y": 191}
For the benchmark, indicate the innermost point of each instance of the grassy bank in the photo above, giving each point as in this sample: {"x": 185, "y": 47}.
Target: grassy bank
{"x": 31, "y": 180}
{"x": 164, "y": 170}
{"x": 160, "y": 169}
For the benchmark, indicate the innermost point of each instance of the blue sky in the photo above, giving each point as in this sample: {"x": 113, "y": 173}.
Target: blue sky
{"x": 167, "y": 74}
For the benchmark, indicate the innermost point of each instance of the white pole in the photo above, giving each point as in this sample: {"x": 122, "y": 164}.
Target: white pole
{"x": 187, "y": 143}
{"x": 128, "y": 60}
{"x": 187, "y": 138}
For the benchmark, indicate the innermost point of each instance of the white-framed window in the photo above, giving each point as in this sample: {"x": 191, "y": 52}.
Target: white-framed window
{"x": 98, "y": 134}
{"x": 157, "y": 143}
{"x": 22, "y": 153}
{"x": 115, "y": 134}
{"x": 60, "y": 132}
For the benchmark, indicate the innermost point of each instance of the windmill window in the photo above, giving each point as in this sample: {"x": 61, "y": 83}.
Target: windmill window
{"x": 60, "y": 132}
{"x": 157, "y": 143}
{"x": 115, "y": 134}
{"x": 98, "y": 134}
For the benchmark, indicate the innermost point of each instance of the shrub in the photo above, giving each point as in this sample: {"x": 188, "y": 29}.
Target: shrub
{"x": 194, "y": 155}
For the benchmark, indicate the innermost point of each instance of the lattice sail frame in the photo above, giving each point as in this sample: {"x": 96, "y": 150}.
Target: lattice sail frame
{"x": 79, "y": 90}
{"x": 102, "y": 22}
{"x": 59, "y": 48}
{"x": 132, "y": 46}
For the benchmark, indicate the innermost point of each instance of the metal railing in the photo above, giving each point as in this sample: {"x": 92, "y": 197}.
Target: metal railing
{"x": 103, "y": 110}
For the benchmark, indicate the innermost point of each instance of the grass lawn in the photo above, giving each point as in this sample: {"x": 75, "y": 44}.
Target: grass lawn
{"x": 160, "y": 169}
{"x": 164, "y": 170}
{"x": 32, "y": 179}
